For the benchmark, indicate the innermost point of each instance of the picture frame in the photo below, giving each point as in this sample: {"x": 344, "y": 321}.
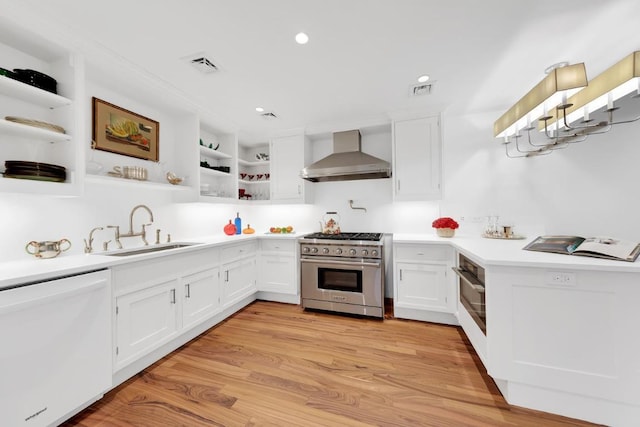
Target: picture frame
{"x": 120, "y": 131}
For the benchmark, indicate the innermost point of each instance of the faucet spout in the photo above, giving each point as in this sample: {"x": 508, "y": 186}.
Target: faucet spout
{"x": 134, "y": 211}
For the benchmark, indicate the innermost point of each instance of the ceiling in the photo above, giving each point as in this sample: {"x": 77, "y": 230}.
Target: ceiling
{"x": 362, "y": 56}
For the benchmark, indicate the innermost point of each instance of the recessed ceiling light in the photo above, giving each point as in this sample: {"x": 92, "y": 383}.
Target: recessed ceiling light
{"x": 259, "y": 109}
{"x": 423, "y": 78}
{"x": 302, "y": 38}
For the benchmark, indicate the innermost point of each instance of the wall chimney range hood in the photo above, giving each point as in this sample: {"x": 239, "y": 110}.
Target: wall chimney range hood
{"x": 347, "y": 162}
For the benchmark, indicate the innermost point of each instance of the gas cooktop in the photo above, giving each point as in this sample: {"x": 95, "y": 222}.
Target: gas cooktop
{"x": 374, "y": 237}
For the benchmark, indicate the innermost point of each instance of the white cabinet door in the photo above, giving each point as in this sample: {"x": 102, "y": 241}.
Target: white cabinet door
{"x": 145, "y": 319}
{"x": 200, "y": 296}
{"x": 239, "y": 280}
{"x": 287, "y": 160}
{"x": 416, "y": 159}
{"x": 422, "y": 286}
{"x": 278, "y": 273}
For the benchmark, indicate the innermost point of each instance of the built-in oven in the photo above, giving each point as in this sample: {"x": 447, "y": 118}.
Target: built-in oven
{"x": 345, "y": 277}
{"x": 472, "y": 290}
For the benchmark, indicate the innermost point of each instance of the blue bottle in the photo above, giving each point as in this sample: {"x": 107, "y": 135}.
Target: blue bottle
{"x": 238, "y": 223}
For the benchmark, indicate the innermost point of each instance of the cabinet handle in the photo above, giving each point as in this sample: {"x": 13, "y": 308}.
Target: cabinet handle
{"x": 400, "y": 274}
{"x": 187, "y": 290}
{"x": 173, "y": 296}
{"x": 398, "y": 185}
{"x": 226, "y": 275}
{"x": 299, "y": 189}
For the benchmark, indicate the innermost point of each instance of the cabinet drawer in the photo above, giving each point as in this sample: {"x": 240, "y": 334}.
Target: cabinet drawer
{"x": 278, "y": 245}
{"x": 238, "y": 251}
{"x": 423, "y": 253}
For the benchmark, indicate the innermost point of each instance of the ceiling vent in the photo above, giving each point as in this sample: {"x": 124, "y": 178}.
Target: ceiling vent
{"x": 268, "y": 116}
{"x": 202, "y": 63}
{"x": 420, "y": 89}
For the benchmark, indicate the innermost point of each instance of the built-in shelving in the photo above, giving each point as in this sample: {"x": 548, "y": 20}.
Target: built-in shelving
{"x": 214, "y": 154}
{"x": 213, "y": 172}
{"x": 31, "y": 94}
{"x": 150, "y": 185}
{"x": 32, "y": 132}
{"x": 250, "y": 163}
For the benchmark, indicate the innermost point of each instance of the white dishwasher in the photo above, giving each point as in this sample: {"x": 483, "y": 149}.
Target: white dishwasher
{"x": 55, "y": 348}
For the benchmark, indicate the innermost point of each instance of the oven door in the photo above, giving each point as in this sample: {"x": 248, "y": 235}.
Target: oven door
{"x": 472, "y": 297}
{"x": 342, "y": 281}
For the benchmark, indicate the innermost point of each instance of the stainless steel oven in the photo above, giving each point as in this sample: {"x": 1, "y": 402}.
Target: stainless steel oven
{"x": 342, "y": 274}
{"x": 472, "y": 290}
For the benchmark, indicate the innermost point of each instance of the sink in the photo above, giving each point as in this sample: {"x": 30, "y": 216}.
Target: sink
{"x": 147, "y": 249}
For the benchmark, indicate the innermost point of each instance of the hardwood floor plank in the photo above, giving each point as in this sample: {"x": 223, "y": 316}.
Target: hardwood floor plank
{"x": 277, "y": 365}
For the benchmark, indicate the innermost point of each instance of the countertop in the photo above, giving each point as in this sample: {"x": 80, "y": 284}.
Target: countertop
{"x": 31, "y": 269}
{"x": 488, "y": 252}
{"x": 504, "y": 252}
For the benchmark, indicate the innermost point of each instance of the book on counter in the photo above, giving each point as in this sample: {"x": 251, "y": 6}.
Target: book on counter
{"x": 598, "y": 247}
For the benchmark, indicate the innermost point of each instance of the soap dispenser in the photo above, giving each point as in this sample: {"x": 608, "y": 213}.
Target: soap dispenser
{"x": 238, "y": 222}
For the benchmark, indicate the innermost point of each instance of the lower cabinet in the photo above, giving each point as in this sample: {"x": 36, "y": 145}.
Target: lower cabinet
{"x": 159, "y": 299}
{"x": 144, "y": 319}
{"x": 238, "y": 272}
{"x": 278, "y": 267}
{"x": 200, "y": 296}
{"x": 424, "y": 285}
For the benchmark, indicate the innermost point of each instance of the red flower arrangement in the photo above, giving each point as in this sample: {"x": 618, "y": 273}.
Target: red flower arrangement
{"x": 445, "y": 222}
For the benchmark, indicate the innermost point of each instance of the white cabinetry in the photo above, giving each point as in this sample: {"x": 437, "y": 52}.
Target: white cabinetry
{"x": 424, "y": 285}
{"x": 569, "y": 349}
{"x": 22, "y": 49}
{"x": 201, "y": 295}
{"x": 288, "y": 156}
{"x": 145, "y": 318}
{"x": 156, "y": 300}
{"x": 417, "y": 159}
{"x": 278, "y": 271}
{"x": 238, "y": 272}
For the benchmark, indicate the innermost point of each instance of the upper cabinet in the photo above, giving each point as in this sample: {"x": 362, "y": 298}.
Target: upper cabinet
{"x": 38, "y": 125}
{"x": 417, "y": 161}
{"x": 289, "y": 154}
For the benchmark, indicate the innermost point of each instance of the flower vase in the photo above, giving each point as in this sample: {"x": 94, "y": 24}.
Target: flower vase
{"x": 445, "y": 232}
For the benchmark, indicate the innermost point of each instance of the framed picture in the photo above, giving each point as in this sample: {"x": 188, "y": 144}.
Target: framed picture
{"x": 124, "y": 132}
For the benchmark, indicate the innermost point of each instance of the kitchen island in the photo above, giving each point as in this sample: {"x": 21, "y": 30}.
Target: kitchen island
{"x": 559, "y": 328}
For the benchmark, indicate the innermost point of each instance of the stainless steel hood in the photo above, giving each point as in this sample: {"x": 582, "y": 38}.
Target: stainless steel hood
{"x": 347, "y": 162}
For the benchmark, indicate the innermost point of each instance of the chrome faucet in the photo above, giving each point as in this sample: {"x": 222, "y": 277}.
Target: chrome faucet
{"x": 142, "y": 234}
{"x": 88, "y": 248}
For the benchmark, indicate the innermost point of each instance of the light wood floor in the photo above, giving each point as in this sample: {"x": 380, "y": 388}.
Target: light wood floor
{"x": 276, "y": 365}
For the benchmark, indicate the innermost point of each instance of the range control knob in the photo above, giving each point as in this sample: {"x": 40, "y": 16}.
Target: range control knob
{"x": 374, "y": 252}
{"x": 352, "y": 251}
{"x": 325, "y": 250}
{"x": 365, "y": 252}
{"x": 314, "y": 250}
{"x": 305, "y": 249}
{"x": 338, "y": 251}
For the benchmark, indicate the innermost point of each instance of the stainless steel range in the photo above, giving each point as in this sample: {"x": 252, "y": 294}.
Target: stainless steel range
{"x": 343, "y": 273}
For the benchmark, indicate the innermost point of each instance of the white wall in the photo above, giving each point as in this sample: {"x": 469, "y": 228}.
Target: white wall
{"x": 586, "y": 189}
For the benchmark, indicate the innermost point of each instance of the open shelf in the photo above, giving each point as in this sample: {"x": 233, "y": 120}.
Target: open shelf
{"x": 243, "y": 162}
{"x": 111, "y": 180}
{"x": 26, "y": 131}
{"x": 206, "y": 151}
{"x": 31, "y": 94}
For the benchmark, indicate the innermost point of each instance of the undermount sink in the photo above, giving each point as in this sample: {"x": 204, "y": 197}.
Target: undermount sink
{"x": 147, "y": 249}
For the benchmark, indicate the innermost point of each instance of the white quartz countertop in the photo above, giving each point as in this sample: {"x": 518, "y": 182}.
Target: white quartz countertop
{"x": 503, "y": 252}
{"x": 31, "y": 269}
{"x": 488, "y": 252}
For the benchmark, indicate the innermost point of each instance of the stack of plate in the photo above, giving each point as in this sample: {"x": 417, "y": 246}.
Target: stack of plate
{"x": 34, "y": 170}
